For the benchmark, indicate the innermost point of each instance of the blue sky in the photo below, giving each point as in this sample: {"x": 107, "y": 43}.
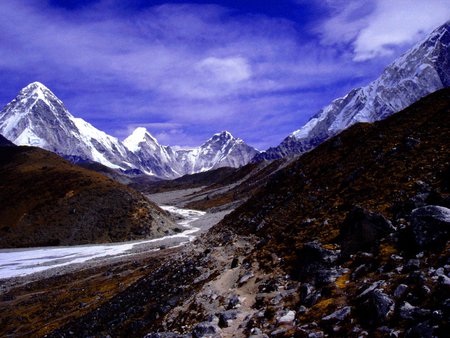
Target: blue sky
{"x": 188, "y": 69}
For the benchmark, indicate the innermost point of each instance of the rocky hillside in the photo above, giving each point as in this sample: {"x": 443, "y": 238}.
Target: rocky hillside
{"x": 350, "y": 240}
{"x": 45, "y": 200}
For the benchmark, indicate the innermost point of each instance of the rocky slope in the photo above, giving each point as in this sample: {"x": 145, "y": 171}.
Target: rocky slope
{"x": 45, "y": 200}
{"x": 349, "y": 240}
{"x": 421, "y": 71}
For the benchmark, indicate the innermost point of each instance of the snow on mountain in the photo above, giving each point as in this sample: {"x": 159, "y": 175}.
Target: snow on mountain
{"x": 36, "y": 117}
{"x": 422, "y": 70}
{"x": 222, "y": 150}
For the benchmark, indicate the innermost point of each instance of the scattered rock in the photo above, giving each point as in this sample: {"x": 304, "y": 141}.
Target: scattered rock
{"x": 166, "y": 335}
{"x": 377, "y": 308}
{"x": 362, "y": 230}
{"x": 407, "y": 311}
{"x": 245, "y": 278}
{"x": 430, "y": 226}
{"x": 421, "y": 330}
{"x": 411, "y": 265}
{"x": 287, "y": 319}
{"x": 206, "y": 330}
{"x": 233, "y": 302}
{"x": 339, "y": 315}
{"x": 316, "y": 264}
{"x": 225, "y": 317}
{"x": 400, "y": 291}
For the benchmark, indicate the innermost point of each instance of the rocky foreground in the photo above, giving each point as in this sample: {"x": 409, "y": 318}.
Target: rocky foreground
{"x": 350, "y": 240}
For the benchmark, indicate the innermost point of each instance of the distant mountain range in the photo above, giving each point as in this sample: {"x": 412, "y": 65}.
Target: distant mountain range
{"x": 422, "y": 70}
{"x": 36, "y": 117}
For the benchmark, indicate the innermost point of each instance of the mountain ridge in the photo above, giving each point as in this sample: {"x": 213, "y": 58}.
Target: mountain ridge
{"x": 424, "y": 69}
{"x": 37, "y": 117}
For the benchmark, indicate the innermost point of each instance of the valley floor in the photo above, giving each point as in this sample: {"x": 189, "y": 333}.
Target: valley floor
{"x": 72, "y": 280}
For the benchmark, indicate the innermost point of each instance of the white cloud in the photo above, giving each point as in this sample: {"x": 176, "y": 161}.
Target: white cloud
{"x": 375, "y": 28}
{"x": 230, "y": 70}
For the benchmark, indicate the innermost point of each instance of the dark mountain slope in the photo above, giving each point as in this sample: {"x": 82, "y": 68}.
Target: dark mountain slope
{"x": 5, "y": 143}
{"x": 46, "y": 200}
{"x": 370, "y": 165}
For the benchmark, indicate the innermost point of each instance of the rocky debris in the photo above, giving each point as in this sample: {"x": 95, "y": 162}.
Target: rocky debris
{"x": 376, "y": 308}
{"x": 233, "y": 302}
{"x": 362, "y": 230}
{"x": 226, "y": 316}
{"x": 245, "y": 278}
{"x": 339, "y": 315}
{"x": 400, "y": 291}
{"x": 166, "y": 335}
{"x": 316, "y": 264}
{"x": 206, "y": 330}
{"x": 287, "y": 319}
{"x": 407, "y": 311}
{"x": 430, "y": 226}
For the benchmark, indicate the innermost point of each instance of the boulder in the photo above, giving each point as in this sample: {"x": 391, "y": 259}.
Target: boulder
{"x": 362, "y": 230}
{"x": 206, "y": 330}
{"x": 316, "y": 264}
{"x": 377, "y": 307}
{"x": 430, "y": 226}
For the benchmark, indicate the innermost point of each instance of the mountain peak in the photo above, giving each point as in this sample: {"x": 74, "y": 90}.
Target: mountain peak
{"x": 223, "y": 135}
{"x": 138, "y": 136}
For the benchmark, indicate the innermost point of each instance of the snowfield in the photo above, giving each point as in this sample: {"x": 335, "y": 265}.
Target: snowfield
{"x": 25, "y": 261}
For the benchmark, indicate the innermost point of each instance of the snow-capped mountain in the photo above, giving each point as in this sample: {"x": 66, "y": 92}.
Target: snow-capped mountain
{"x": 36, "y": 117}
{"x": 153, "y": 158}
{"x": 221, "y": 150}
{"x": 422, "y": 70}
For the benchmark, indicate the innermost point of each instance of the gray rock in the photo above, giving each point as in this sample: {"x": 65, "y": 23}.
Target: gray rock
{"x": 339, "y": 315}
{"x": 407, "y": 311}
{"x": 400, "y": 290}
{"x": 362, "y": 230}
{"x": 430, "y": 226}
{"x": 233, "y": 302}
{"x": 206, "y": 330}
{"x": 377, "y": 308}
{"x": 225, "y": 317}
{"x": 246, "y": 277}
{"x": 166, "y": 335}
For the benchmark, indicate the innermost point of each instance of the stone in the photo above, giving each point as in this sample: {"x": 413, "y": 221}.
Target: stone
{"x": 206, "y": 330}
{"x": 165, "y": 335}
{"x": 246, "y": 277}
{"x": 339, "y": 315}
{"x": 407, "y": 311}
{"x": 233, "y": 302}
{"x": 430, "y": 227}
{"x": 411, "y": 265}
{"x": 421, "y": 330}
{"x": 225, "y": 317}
{"x": 400, "y": 291}
{"x": 362, "y": 230}
{"x": 287, "y": 319}
{"x": 315, "y": 264}
{"x": 377, "y": 307}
